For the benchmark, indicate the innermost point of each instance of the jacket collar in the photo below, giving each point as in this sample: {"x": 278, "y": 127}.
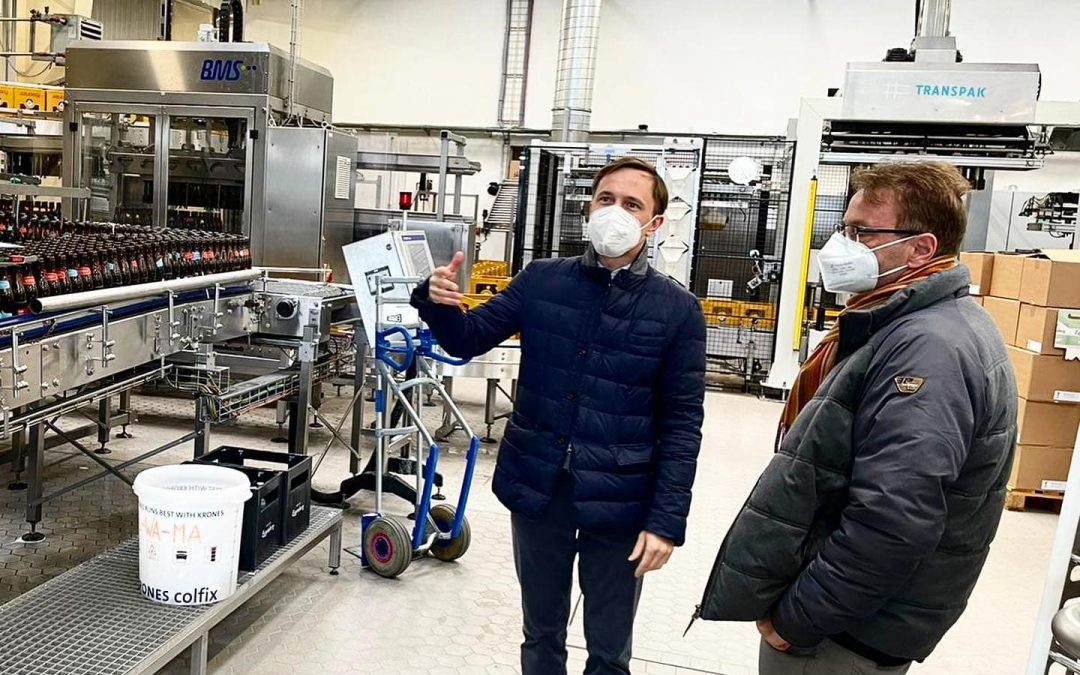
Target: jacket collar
{"x": 639, "y": 266}
{"x": 856, "y": 327}
{"x": 626, "y": 278}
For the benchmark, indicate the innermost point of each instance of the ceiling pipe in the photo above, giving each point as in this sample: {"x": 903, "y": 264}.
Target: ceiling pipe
{"x": 934, "y": 17}
{"x": 575, "y": 71}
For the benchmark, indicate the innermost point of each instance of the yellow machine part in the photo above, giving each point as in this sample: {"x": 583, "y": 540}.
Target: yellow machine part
{"x": 491, "y": 268}
{"x": 738, "y": 313}
{"x": 488, "y": 278}
{"x": 479, "y": 285}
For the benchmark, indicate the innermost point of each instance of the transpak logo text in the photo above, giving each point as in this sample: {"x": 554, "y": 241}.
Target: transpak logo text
{"x": 949, "y": 91}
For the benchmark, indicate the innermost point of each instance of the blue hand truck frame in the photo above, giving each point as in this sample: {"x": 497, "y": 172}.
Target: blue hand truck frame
{"x": 387, "y": 546}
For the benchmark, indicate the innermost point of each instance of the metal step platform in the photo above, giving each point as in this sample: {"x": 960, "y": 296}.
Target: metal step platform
{"x": 92, "y": 620}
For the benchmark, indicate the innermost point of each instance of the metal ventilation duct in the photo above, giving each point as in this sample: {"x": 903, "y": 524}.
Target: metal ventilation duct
{"x": 575, "y": 70}
{"x": 933, "y": 19}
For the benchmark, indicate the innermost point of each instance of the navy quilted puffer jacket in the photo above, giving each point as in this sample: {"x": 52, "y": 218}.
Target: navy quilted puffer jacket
{"x": 611, "y": 385}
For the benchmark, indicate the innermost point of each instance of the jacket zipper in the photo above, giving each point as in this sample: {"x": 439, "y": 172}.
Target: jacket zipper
{"x": 592, "y": 334}
{"x": 712, "y": 578}
{"x": 693, "y": 618}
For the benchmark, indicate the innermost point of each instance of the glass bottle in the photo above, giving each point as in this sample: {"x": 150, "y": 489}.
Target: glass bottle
{"x": 7, "y": 296}
{"x": 29, "y": 282}
{"x": 97, "y": 276}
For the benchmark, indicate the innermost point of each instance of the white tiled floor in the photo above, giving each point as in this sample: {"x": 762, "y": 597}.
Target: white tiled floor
{"x": 464, "y": 618}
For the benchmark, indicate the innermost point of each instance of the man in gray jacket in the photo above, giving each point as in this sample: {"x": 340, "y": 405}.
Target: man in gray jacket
{"x": 861, "y": 542}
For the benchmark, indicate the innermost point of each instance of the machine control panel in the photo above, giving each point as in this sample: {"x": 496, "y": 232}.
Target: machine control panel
{"x": 391, "y": 255}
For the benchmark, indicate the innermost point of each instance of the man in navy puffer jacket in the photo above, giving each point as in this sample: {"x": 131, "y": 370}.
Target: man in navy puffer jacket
{"x": 599, "y": 456}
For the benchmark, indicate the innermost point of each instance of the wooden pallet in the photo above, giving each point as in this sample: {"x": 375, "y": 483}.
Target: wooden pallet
{"x": 1033, "y": 500}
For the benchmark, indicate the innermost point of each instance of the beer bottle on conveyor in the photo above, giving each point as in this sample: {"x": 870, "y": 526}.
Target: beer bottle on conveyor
{"x": 7, "y": 298}
{"x": 86, "y": 281}
{"x": 97, "y": 277}
{"x": 111, "y": 270}
{"x": 124, "y": 264}
{"x": 24, "y": 225}
{"x": 17, "y": 288}
{"x": 29, "y": 282}
{"x": 60, "y": 267}
{"x": 52, "y": 283}
{"x": 37, "y": 271}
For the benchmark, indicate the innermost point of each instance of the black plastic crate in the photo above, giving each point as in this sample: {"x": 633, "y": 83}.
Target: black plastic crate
{"x": 262, "y": 517}
{"x": 296, "y": 482}
{"x": 260, "y": 534}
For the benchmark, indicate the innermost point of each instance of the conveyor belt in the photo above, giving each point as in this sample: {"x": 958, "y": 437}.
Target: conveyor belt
{"x": 87, "y": 318}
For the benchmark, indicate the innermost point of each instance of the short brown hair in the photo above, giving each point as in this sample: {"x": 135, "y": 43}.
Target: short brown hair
{"x": 659, "y": 191}
{"x": 929, "y": 198}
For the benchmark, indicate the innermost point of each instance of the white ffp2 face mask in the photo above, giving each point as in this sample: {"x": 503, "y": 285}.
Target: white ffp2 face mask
{"x": 614, "y": 231}
{"x": 848, "y": 266}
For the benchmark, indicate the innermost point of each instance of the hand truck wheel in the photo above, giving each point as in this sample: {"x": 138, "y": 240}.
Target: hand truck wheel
{"x": 451, "y": 549}
{"x": 387, "y": 547}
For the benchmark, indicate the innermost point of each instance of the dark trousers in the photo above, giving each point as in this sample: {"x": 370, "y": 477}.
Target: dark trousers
{"x": 544, "y": 552}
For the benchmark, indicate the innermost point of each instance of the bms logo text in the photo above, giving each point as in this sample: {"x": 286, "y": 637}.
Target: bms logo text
{"x": 948, "y": 91}
{"x": 223, "y": 70}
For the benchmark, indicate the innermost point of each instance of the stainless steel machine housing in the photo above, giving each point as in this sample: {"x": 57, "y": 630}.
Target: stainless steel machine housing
{"x": 288, "y": 187}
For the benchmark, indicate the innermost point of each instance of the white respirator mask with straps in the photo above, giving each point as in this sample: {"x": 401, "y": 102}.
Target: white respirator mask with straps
{"x": 848, "y": 266}
{"x": 614, "y": 231}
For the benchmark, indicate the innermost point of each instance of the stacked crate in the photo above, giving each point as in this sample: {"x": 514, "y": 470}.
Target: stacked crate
{"x": 1026, "y": 294}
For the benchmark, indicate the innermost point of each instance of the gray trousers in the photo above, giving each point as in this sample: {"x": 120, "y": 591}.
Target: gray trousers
{"x": 828, "y": 658}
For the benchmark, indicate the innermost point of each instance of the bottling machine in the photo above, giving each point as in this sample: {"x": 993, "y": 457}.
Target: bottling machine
{"x": 192, "y": 134}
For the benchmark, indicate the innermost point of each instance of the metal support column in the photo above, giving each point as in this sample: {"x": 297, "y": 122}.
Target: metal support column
{"x": 199, "y": 652}
{"x": 490, "y": 398}
{"x": 299, "y": 423}
{"x": 18, "y": 464}
{"x": 36, "y": 487}
{"x": 202, "y": 426}
{"x": 360, "y": 345}
{"x": 125, "y": 413}
{"x": 444, "y": 167}
{"x": 104, "y": 425}
{"x": 335, "y": 550}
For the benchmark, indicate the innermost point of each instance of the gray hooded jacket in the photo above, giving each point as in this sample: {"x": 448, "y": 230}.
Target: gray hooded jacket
{"x": 875, "y": 517}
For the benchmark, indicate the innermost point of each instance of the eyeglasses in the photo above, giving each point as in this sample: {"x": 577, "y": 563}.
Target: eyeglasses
{"x": 853, "y": 231}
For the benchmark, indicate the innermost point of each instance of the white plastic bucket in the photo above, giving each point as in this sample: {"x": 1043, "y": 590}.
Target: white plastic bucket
{"x": 190, "y": 518}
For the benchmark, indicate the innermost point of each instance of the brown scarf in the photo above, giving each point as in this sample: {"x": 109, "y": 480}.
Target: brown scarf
{"x": 823, "y": 359}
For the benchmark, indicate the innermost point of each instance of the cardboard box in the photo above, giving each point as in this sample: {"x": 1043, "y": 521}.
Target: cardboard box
{"x": 1052, "y": 279}
{"x": 1045, "y": 378}
{"x": 1035, "y": 330}
{"x": 1040, "y": 468}
{"x": 981, "y": 266}
{"x": 54, "y": 99}
{"x": 30, "y": 98}
{"x": 1008, "y": 269}
{"x": 1005, "y": 313}
{"x": 1046, "y": 423}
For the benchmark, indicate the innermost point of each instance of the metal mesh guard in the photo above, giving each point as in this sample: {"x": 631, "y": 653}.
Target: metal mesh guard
{"x": 93, "y": 620}
{"x": 299, "y": 288}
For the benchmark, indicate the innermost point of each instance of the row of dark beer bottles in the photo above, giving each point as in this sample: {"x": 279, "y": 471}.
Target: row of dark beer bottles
{"x": 85, "y": 262}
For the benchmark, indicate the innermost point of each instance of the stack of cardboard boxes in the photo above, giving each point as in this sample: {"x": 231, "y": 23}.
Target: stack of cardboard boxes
{"x": 27, "y": 96}
{"x": 1024, "y": 293}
